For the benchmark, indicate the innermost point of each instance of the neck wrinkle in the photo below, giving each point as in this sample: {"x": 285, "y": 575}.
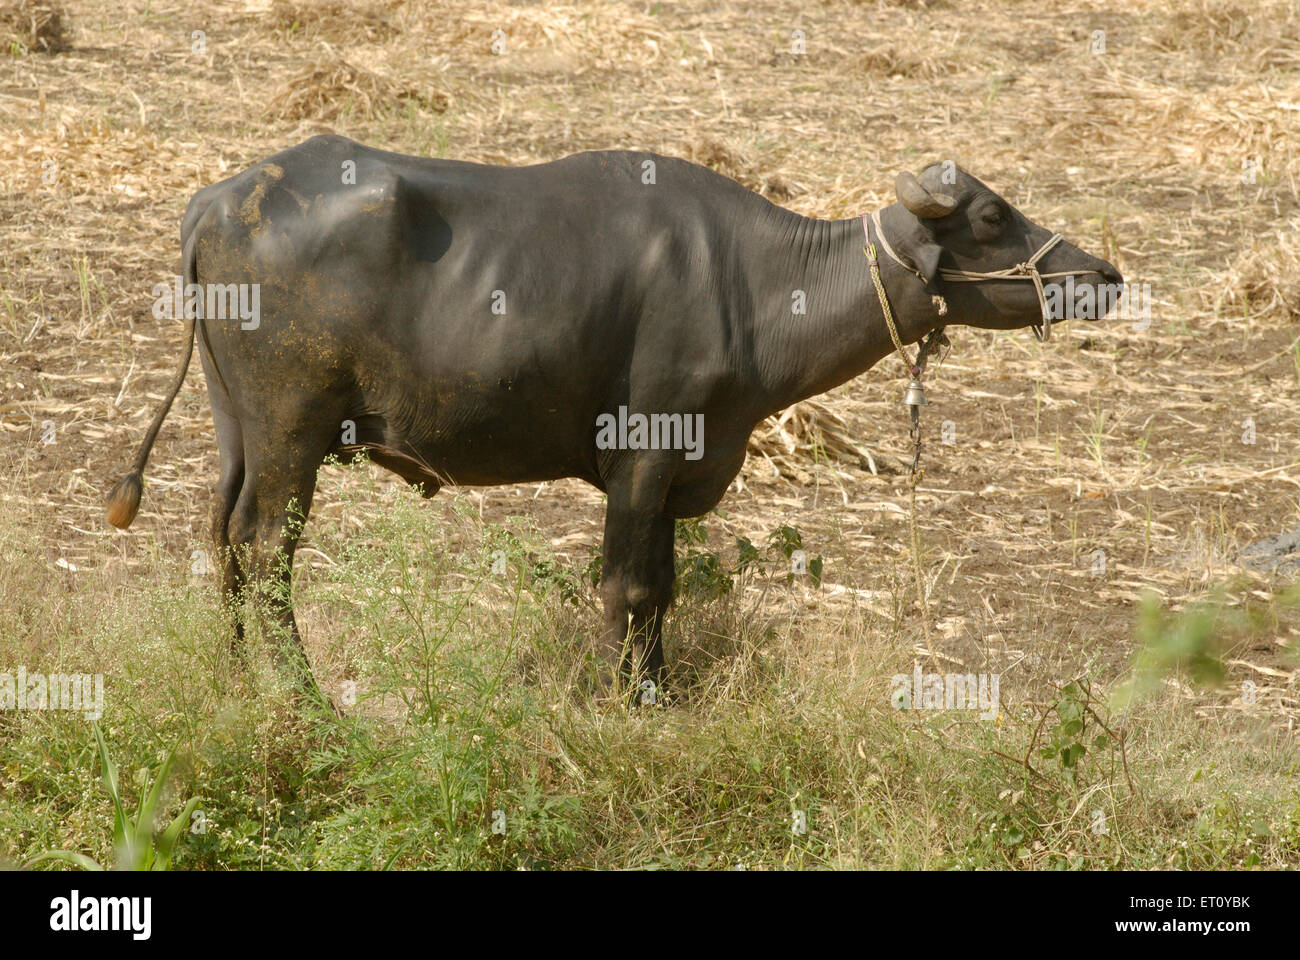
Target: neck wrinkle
{"x": 843, "y": 332}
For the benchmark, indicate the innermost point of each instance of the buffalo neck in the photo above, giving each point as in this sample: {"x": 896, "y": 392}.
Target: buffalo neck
{"x": 819, "y": 267}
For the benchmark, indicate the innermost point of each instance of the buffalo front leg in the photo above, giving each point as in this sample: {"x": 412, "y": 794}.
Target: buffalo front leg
{"x": 637, "y": 589}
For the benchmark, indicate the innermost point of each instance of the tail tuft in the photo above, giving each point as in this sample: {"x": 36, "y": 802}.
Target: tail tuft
{"x": 124, "y": 500}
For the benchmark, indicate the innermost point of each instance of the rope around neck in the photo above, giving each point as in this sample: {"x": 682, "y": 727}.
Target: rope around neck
{"x": 917, "y": 367}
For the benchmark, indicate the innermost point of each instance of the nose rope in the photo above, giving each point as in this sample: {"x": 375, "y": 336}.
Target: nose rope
{"x": 1021, "y": 271}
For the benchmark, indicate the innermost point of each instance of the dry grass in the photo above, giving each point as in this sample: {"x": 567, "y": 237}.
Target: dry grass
{"x": 332, "y": 87}
{"x": 336, "y": 21}
{"x": 33, "y": 25}
{"x": 1264, "y": 278}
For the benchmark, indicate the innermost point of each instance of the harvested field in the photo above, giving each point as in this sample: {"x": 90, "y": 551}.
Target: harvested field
{"x": 1079, "y": 529}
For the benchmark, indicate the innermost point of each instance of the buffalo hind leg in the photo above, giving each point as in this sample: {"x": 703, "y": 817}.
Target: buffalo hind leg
{"x": 230, "y": 442}
{"x": 264, "y": 528}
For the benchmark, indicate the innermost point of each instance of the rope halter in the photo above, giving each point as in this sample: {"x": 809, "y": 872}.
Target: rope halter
{"x": 1021, "y": 271}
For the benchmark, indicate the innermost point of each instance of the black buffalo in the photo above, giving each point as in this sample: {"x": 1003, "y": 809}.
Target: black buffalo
{"x": 475, "y": 324}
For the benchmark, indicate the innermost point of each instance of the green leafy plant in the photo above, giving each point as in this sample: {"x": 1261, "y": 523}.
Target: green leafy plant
{"x": 700, "y": 573}
{"x": 786, "y": 540}
{"x": 1170, "y": 642}
{"x": 546, "y": 573}
{"x": 1068, "y": 739}
{"x": 136, "y": 844}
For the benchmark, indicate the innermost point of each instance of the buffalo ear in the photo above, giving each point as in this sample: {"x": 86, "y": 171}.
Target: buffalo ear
{"x": 926, "y": 257}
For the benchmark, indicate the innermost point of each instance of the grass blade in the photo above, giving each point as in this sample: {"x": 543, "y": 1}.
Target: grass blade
{"x": 66, "y": 856}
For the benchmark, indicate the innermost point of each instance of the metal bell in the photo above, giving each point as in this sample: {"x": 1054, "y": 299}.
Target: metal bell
{"x": 915, "y": 395}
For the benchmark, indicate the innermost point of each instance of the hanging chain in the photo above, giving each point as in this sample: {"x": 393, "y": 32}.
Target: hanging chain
{"x": 935, "y": 338}
{"x": 915, "y": 369}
